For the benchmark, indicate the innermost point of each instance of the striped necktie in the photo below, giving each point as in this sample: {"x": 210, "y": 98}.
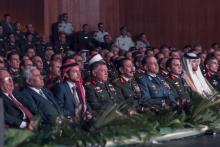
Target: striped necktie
{"x": 27, "y": 113}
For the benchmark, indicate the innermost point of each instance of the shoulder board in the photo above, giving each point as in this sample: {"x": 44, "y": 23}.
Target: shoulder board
{"x": 88, "y": 83}
{"x": 143, "y": 76}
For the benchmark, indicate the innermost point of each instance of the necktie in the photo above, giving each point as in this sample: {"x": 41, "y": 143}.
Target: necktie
{"x": 157, "y": 80}
{"x": 76, "y": 97}
{"x": 42, "y": 94}
{"x": 21, "y": 107}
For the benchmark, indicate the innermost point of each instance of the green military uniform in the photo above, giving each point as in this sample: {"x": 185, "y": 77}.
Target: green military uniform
{"x": 100, "y": 95}
{"x": 138, "y": 73}
{"x": 182, "y": 90}
{"x": 113, "y": 73}
{"x": 18, "y": 80}
{"x": 213, "y": 79}
{"x": 203, "y": 70}
{"x": 129, "y": 89}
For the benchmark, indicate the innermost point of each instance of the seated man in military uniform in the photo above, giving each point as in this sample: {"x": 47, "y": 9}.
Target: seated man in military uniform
{"x": 13, "y": 59}
{"x": 212, "y": 65}
{"x": 100, "y": 93}
{"x": 155, "y": 92}
{"x": 139, "y": 71}
{"x": 127, "y": 84}
{"x": 178, "y": 84}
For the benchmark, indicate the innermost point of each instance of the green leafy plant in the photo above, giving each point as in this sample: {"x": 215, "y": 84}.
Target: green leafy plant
{"x": 115, "y": 126}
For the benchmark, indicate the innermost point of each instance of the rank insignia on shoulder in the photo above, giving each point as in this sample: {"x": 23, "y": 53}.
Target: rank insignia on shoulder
{"x": 93, "y": 82}
{"x": 87, "y": 83}
{"x": 173, "y": 78}
{"x": 166, "y": 84}
{"x": 137, "y": 88}
{"x": 153, "y": 87}
{"x": 97, "y": 88}
{"x": 121, "y": 80}
{"x": 215, "y": 82}
{"x": 112, "y": 89}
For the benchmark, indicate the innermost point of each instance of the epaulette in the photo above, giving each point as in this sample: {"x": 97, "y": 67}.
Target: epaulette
{"x": 121, "y": 80}
{"x": 93, "y": 82}
{"x": 142, "y": 76}
{"x": 88, "y": 83}
{"x": 172, "y": 77}
{"x": 115, "y": 80}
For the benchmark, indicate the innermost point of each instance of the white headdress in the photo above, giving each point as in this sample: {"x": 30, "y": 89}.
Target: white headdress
{"x": 200, "y": 84}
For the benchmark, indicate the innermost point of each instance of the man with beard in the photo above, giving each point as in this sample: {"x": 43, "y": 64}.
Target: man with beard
{"x": 70, "y": 93}
{"x": 193, "y": 76}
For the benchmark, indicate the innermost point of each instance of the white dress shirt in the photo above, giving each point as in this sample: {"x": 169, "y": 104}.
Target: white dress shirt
{"x": 73, "y": 86}
{"x": 124, "y": 42}
{"x": 99, "y": 35}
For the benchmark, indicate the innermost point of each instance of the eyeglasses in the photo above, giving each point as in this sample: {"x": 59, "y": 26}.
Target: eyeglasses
{"x": 7, "y": 79}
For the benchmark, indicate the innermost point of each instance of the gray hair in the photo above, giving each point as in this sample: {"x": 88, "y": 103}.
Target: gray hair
{"x": 27, "y": 72}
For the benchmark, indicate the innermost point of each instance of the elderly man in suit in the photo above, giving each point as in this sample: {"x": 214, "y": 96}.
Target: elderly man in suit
{"x": 16, "y": 114}
{"x": 37, "y": 98}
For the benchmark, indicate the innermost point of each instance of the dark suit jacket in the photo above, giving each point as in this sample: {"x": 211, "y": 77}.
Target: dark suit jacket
{"x": 13, "y": 115}
{"x": 65, "y": 98}
{"x": 47, "y": 109}
{"x": 8, "y": 29}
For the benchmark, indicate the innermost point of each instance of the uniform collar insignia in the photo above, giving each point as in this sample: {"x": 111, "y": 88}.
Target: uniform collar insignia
{"x": 125, "y": 78}
{"x": 209, "y": 73}
{"x": 152, "y": 75}
{"x": 122, "y": 80}
{"x": 93, "y": 82}
{"x": 173, "y": 77}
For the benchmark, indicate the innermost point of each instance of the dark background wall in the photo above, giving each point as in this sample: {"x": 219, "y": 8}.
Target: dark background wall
{"x": 172, "y": 22}
{"x": 24, "y": 11}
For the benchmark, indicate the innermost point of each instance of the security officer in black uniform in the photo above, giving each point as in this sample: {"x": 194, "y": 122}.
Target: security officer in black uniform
{"x": 61, "y": 45}
{"x": 212, "y": 65}
{"x": 178, "y": 84}
{"x": 127, "y": 84}
{"x": 100, "y": 92}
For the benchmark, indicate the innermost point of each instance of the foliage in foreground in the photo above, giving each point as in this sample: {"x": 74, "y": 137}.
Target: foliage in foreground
{"x": 114, "y": 126}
